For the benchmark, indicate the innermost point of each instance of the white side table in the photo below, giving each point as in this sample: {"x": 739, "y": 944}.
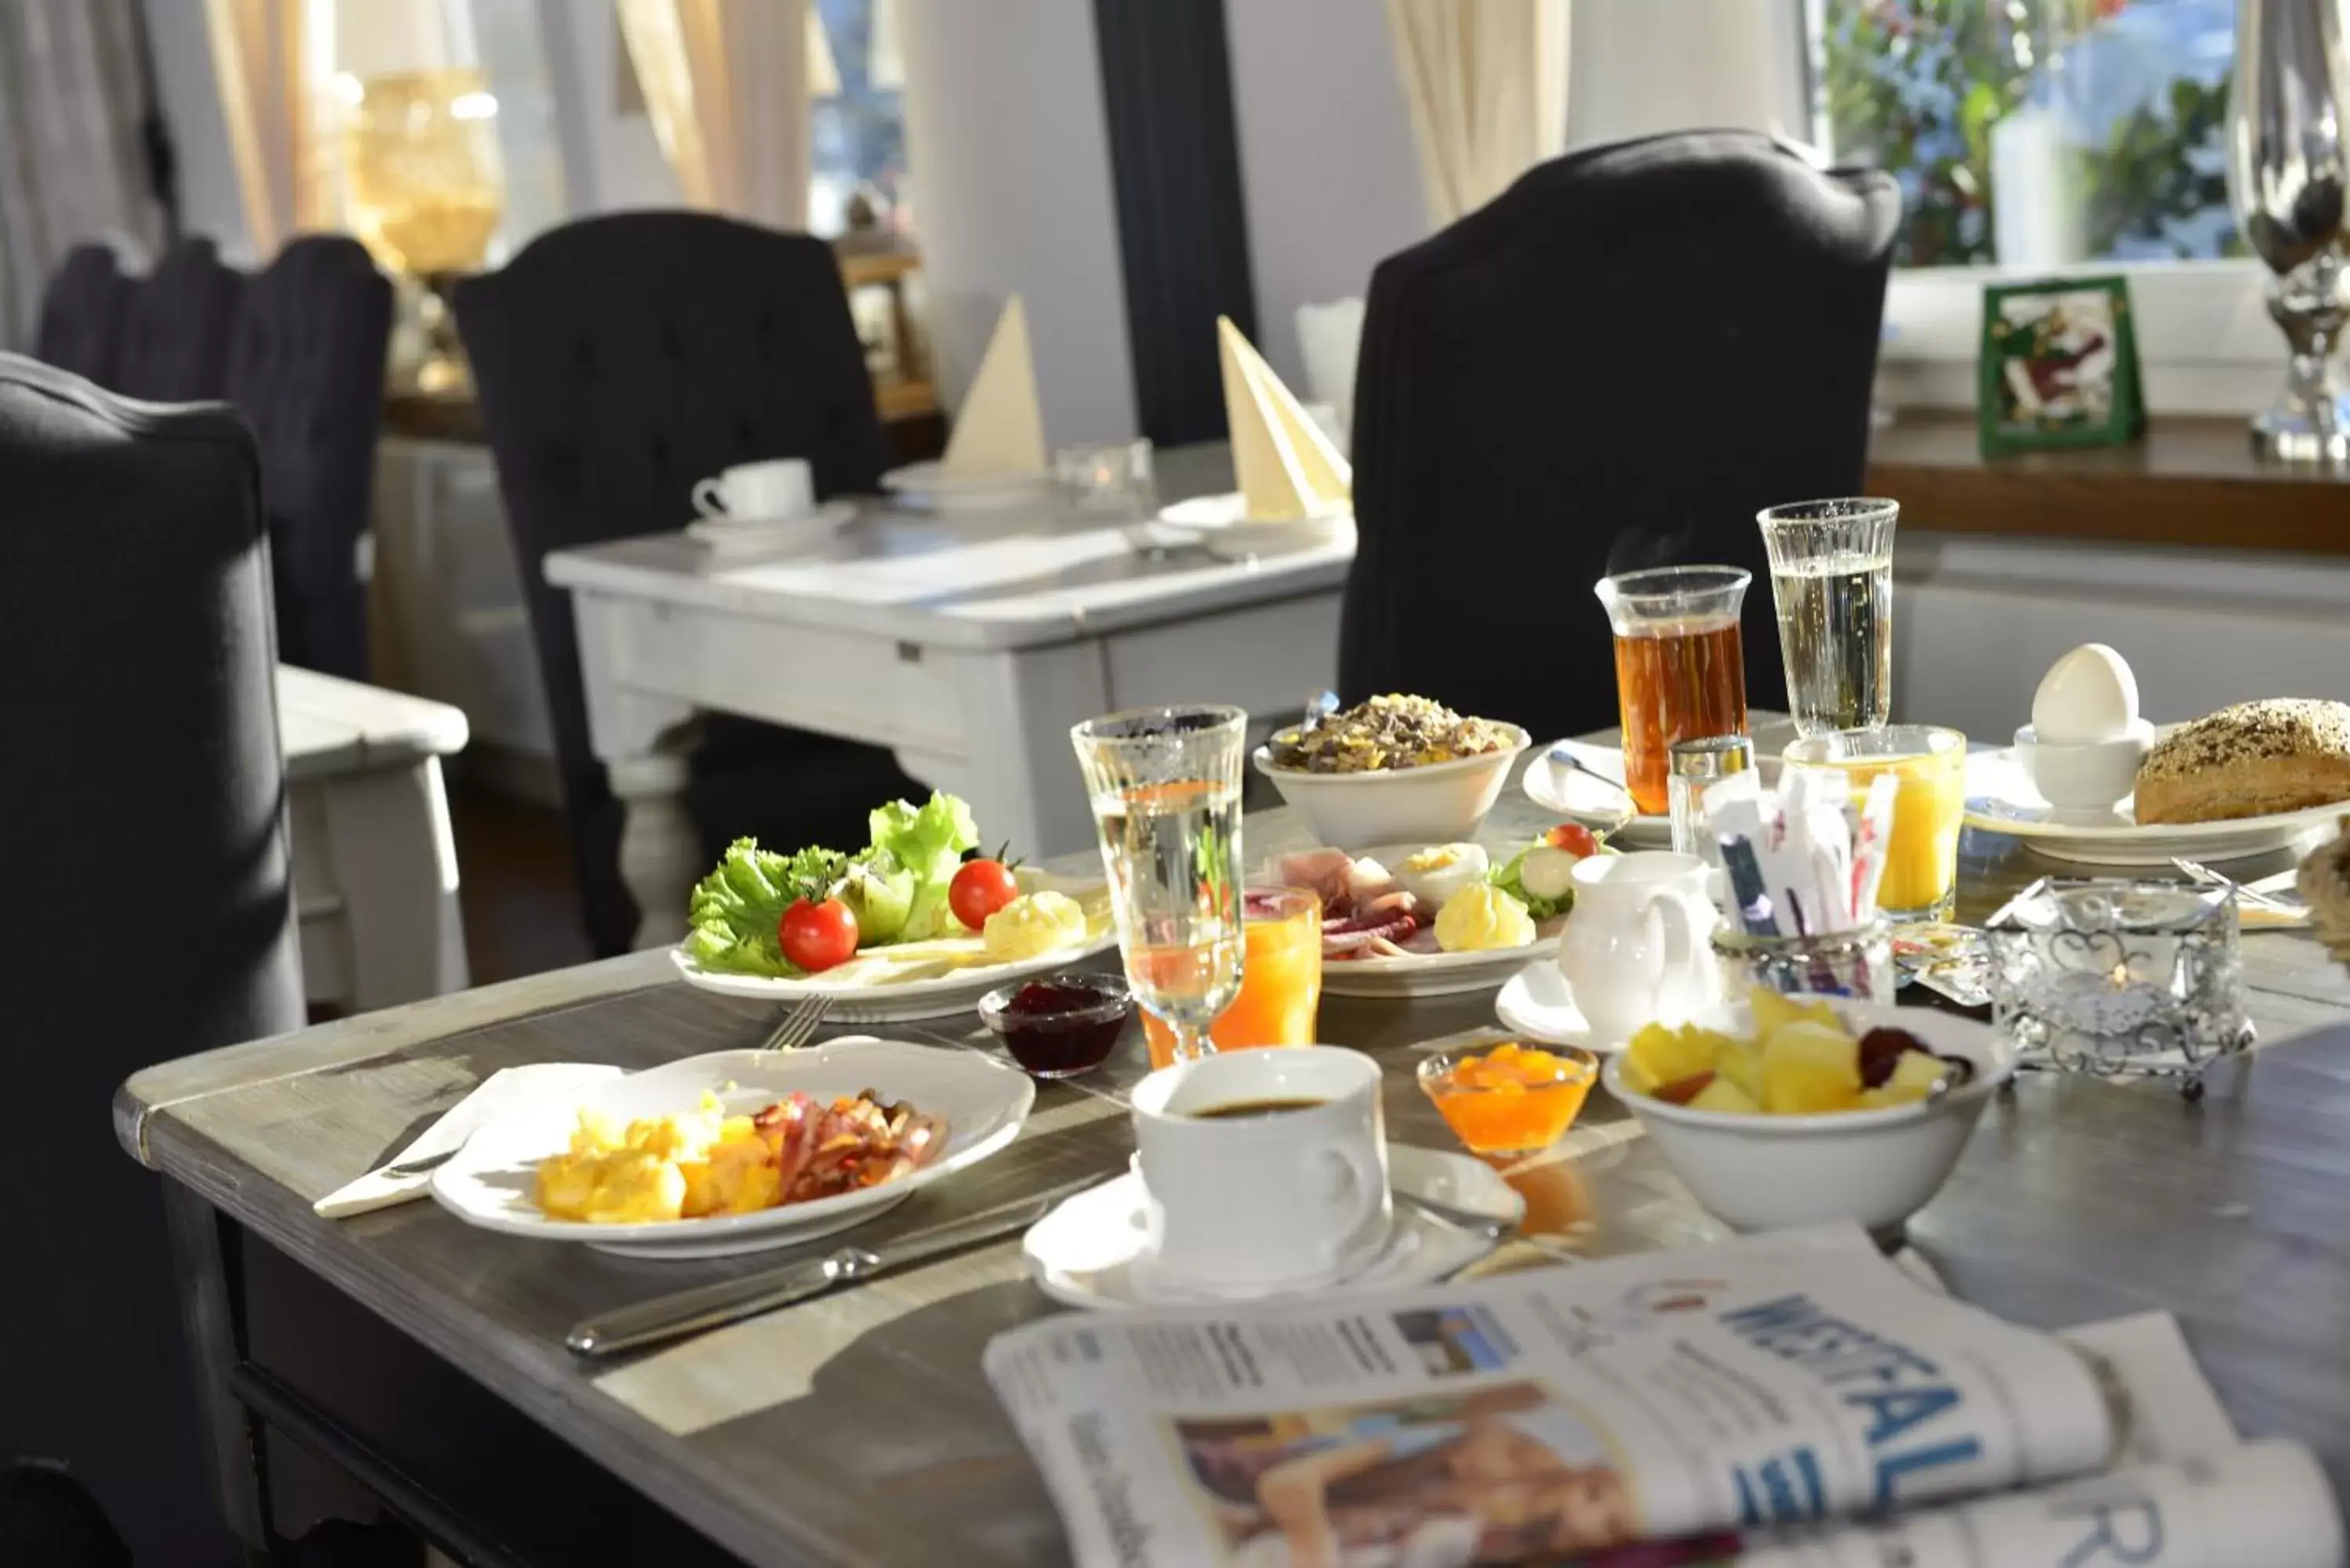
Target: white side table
{"x": 375, "y": 864}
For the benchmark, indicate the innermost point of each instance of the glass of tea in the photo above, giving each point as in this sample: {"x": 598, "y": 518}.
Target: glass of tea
{"x": 1281, "y": 977}
{"x": 1165, "y": 784}
{"x": 1681, "y": 669}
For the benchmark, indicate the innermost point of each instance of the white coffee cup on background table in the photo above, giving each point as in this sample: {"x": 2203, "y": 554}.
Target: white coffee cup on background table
{"x": 756, "y": 491}
{"x": 1285, "y": 1198}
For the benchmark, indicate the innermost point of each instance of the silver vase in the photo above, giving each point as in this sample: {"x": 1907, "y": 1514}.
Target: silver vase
{"x": 2287, "y": 169}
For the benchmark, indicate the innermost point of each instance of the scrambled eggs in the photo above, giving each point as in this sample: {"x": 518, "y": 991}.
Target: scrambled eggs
{"x": 1033, "y": 925}
{"x": 1481, "y": 916}
{"x": 677, "y": 1167}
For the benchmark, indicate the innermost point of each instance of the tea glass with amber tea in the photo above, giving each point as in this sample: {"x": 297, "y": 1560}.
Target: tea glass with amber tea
{"x": 1680, "y": 667}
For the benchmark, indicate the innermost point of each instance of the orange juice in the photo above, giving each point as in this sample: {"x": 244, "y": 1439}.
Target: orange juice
{"x": 1281, "y": 977}
{"x": 1921, "y": 861}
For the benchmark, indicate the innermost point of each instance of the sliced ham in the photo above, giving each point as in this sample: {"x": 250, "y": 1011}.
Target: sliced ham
{"x": 1324, "y": 871}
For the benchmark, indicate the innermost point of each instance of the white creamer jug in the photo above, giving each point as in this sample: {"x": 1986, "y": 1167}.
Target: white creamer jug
{"x": 1638, "y": 947}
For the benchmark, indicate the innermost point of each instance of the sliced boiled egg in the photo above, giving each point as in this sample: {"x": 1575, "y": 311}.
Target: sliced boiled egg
{"x": 1548, "y": 872}
{"x": 1433, "y": 875}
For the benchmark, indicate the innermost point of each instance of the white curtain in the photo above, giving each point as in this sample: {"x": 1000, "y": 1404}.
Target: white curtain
{"x": 1486, "y": 84}
{"x": 72, "y": 166}
{"x": 263, "y": 57}
{"x": 726, "y": 86}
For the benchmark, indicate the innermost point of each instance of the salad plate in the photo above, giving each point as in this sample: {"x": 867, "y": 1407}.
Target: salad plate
{"x": 921, "y": 991}
{"x": 1093, "y": 1251}
{"x": 983, "y": 1102}
{"x": 1421, "y": 970}
{"x": 2001, "y": 799}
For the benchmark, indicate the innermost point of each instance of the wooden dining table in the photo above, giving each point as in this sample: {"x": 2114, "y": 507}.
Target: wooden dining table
{"x": 425, "y": 1358}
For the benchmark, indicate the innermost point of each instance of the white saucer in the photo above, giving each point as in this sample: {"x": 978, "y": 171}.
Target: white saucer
{"x": 1220, "y": 525}
{"x": 1537, "y": 1004}
{"x": 930, "y": 485}
{"x": 1090, "y": 1250}
{"x": 772, "y": 535}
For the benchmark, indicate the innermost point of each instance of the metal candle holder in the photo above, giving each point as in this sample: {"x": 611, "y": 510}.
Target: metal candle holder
{"x": 2120, "y": 978}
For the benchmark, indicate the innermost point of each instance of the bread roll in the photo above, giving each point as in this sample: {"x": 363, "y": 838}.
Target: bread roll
{"x": 2282, "y": 754}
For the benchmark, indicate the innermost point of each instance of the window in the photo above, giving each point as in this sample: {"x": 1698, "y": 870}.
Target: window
{"x": 858, "y": 135}
{"x": 2035, "y": 134}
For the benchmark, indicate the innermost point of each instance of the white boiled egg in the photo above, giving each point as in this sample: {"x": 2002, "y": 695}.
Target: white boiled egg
{"x": 1433, "y": 875}
{"x": 2089, "y": 695}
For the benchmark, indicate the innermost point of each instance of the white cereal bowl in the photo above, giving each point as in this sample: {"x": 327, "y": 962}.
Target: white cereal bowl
{"x": 1434, "y": 803}
{"x": 1762, "y": 1172}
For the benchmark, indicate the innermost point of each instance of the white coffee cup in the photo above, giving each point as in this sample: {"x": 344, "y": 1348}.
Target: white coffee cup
{"x": 1282, "y": 1199}
{"x": 756, "y": 491}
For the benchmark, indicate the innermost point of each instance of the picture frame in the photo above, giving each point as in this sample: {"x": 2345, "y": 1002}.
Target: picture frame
{"x": 2057, "y": 365}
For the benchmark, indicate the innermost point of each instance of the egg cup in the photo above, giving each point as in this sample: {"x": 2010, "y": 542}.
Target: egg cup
{"x": 2085, "y": 775}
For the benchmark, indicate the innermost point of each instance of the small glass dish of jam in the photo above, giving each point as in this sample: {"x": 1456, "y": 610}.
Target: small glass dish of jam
{"x": 1060, "y": 1025}
{"x": 1513, "y": 1099}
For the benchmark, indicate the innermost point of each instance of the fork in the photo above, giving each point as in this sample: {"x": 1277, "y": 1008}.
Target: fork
{"x": 798, "y": 1026}
{"x": 2204, "y": 874}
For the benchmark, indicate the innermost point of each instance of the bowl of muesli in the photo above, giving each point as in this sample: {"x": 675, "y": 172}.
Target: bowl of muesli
{"x": 1391, "y": 769}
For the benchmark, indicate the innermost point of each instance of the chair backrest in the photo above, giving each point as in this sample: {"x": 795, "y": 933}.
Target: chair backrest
{"x": 175, "y": 341}
{"x": 305, "y": 367}
{"x": 619, "y": 358}
{"x": 1615, "y": 364}
{"x": 145, "y": 898}
{"x": 82, "y": 313}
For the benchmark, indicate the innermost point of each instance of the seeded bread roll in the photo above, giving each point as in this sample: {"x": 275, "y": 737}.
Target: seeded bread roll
{"x": 2284, "y": 753}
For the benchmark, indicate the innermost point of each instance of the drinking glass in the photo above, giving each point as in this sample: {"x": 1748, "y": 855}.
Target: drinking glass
{"x": 1281, "y": 977}
{"x": 1832, "y": 579}
{"x": 1681, "y": 670}
{"x": 1164, "y": 784}
{"x": 1921, "y": 860}
{"x": 1113, "y": 479}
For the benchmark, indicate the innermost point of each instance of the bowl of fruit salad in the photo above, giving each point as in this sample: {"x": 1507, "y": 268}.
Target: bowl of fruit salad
{"x": 1795, "y": 1110}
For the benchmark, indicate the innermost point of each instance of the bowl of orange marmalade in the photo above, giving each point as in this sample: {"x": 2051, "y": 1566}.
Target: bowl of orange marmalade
{"x": 1511, "y": 1099}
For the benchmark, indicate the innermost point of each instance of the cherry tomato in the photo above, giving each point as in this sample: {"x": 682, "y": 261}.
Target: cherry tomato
{"x": 1574, "y": 838}
{"x": 818, "y": 936}
{"x": 978, "y": 889}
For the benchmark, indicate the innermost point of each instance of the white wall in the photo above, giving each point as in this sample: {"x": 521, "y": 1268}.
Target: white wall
{"x": 1009, "y": 158}
{"x": 1326, "y": 160}
{"x": 1637, "y": 68}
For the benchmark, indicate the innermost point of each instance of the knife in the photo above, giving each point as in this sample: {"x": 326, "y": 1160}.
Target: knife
{"x": 730, "y": 1301}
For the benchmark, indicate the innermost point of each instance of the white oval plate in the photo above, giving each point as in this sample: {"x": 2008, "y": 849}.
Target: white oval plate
{"x": 889, "y": 1001}
{"x": 2001, "y": 799}
{"x": 983, "y": 1100}
{"x": 1538, "y": 1004}
{"x": 1220, "y": 525}
{"x": 928, "y": 484}
{"x": 1427, "y": 975}
{"x": 1085, "y": 1251}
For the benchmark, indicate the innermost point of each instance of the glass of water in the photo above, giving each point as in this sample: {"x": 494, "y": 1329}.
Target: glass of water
{"x": 1832, "y": 578}
{"x": 1164, "y": 784}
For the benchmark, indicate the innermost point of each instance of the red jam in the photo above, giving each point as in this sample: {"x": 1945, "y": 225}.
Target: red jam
{"x": 1064, "y": 1025}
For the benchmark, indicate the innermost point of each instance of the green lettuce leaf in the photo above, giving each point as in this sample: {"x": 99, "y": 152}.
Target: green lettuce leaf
{"x": 734, "y": 910}
{"x": 928, "y": 842}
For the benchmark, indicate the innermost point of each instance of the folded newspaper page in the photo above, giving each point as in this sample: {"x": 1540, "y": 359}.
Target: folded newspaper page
{"x": 1775, "y": 1380}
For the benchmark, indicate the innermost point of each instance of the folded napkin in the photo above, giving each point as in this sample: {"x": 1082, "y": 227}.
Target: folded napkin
{"x": 999, "y": 429}
{"x": 505, "y": 1090}
{"x": 1287, "y": 469}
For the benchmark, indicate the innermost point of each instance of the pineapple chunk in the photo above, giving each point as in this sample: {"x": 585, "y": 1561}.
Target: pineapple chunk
{"x": 1886, "y": 1097}
{"x": 1773, "y": 1013}
{"x": 1721, "y": 1095}
{"x": 1740, "y": 1062}
{"x": 1810, "y": 1066}
{"x": 1668, "y": 1055}
{"x": 1918, "y": 1071}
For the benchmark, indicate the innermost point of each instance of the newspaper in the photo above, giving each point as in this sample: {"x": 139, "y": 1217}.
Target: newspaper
{"x": 1725, "y": 1404}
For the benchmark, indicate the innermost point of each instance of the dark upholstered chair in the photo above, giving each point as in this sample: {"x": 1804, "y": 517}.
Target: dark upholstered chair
{"x": 1615, "y": 364}
{"x": 82, "y": 313}
{"x": 175, "y": 343}
{"x": 618, "y": 360}
{"x": 145, "y": 901}
{"x": 306, "y": 369}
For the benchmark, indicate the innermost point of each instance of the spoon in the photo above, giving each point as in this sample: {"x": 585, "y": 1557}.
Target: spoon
{"x": 1621, "y": 808}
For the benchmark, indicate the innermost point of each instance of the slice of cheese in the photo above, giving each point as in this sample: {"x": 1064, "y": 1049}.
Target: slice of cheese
{"x": 1286, "y": 468}
{"x": 999, "y": 429}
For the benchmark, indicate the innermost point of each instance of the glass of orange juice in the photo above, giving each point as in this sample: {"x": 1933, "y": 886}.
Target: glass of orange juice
{"x": 1921, "y": 863}
{"x": 1281, "y": 977}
